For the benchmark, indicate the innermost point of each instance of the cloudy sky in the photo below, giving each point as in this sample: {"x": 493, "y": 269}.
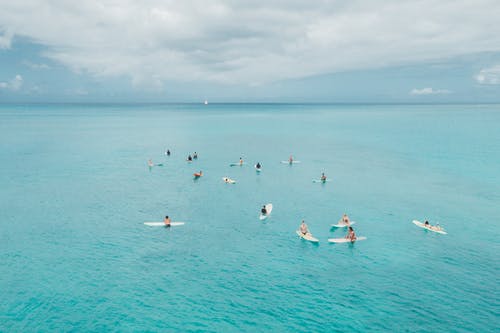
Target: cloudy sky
{"x": 250, "y": 51}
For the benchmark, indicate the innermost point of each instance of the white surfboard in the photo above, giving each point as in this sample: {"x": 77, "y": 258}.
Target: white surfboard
{"x": 321, "y": 181}
{"x": 237, "y": 164}
{"x": 345, "y": 240}
{"x": 430, "y": 228}
{"x": 288, "y": 162}
{"x": 228, "y": 180}
{"x": 307, "y": 237}
{"x": 341, "y": 225}
{"x": 162, "y": 224}
{"x": 269, "y": 209}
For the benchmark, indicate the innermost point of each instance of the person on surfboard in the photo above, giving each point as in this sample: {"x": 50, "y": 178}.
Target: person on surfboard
{"x": 168, "y": 152}
{"x": 263, "y": 210}
{"x": 303, "y": 228}
{"x": 241, "y": 161}
{"x": 345, "y": 220}
{"x": 150, "y": 163}
{"x": 323, "y": 177}
{"x": 167, "y": 221}
{"x": 190, "y": 159}
{"x": 258, "y": 165}
{"x": 351, "y": 234}
{"x": 290, "y": 159}
{"x": 195, "y": 155}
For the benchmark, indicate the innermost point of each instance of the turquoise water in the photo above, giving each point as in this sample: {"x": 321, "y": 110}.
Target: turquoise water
{"x": 76, "y": 189}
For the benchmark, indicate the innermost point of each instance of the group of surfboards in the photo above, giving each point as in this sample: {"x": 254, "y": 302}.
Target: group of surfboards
{"x": 303, "y": 231}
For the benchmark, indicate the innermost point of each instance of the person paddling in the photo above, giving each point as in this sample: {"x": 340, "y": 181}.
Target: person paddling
{"x": 167, "y": 221}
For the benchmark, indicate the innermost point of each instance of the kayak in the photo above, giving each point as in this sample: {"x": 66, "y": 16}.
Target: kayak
{"x": 269, "y": 209}
{"x": 345, "y": 240}
{"x": 308, "y": 237}
{"x": 162, "y": 224}
{"x": 228, "y": 180}
{"x": 341, "y": 225}
{"x": 430, "y": 228}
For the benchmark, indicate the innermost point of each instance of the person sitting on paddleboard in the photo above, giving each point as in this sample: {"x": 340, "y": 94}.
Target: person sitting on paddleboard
{"x": 189, "y": 158}
{"x": 167, "y": 221}
{"x": 168, "y": 152}
{"x": 263, "y": 210}
{"x": 345, "y": 219}
{"x": 258, "y": 165}
{"x": 290, "y": 159}
{"x": 351, "y": 234}
{"x": 241, "y": 161}
{"x": 303, "y": 228}
{"x": 195, "y": 155}
{"x": 323, "y": 177}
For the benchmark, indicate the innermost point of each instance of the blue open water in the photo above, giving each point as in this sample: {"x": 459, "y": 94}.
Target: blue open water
{"x": 75, "y": 190}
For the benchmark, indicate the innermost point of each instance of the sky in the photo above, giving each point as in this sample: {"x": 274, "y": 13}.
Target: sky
{"x": 388, "y": 51}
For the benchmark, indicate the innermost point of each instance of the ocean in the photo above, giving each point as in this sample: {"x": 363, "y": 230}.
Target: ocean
{"x": 75, "y": 191}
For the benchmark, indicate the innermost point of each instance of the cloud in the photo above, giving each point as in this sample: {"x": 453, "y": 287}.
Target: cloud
{"x": 5, "y": 39}
{"x": 35, "y": 66}
{"x": 489, "y": 75}
{"x": 14, "y": 84}
{"x": 155, "y": 42}
{"x": 429, "y": 91}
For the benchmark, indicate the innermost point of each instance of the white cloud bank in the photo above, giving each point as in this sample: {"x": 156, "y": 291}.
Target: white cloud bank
{"x": 429, "y": 91}
{"x": 14, "y": 84}
{"x": 155, "y": 41}
{"x": 489, "y": 75}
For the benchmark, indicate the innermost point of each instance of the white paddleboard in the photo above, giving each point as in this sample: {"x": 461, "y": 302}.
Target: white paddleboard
{"x": 288, "y": 162}
{"x": 321, "y": 181}
{"x": 228, "y": 180}
{"x": 269, "y": 209}
{"x": 345, "y": 240}
{"x": 422, "y": 225}
{"x": 236, "y": 164}
{"x": 162, "y": 224}
{"x": 341, "y": 225}
{"x": 307, "y": 237}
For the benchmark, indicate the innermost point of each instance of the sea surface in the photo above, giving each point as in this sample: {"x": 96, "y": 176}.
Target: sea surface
{"x": 75, "y": 190}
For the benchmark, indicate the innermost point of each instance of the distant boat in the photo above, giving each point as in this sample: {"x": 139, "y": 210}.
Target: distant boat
{"x": 206, "y": 102}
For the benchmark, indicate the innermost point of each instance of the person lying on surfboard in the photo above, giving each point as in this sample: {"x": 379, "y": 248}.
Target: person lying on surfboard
{"x": 437, "y": 227}
{"x": 323, "y": 177}
{"x": 351, "y": 234}
{"x": 303, "y": 228}
{"x": 167, "y": 221}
